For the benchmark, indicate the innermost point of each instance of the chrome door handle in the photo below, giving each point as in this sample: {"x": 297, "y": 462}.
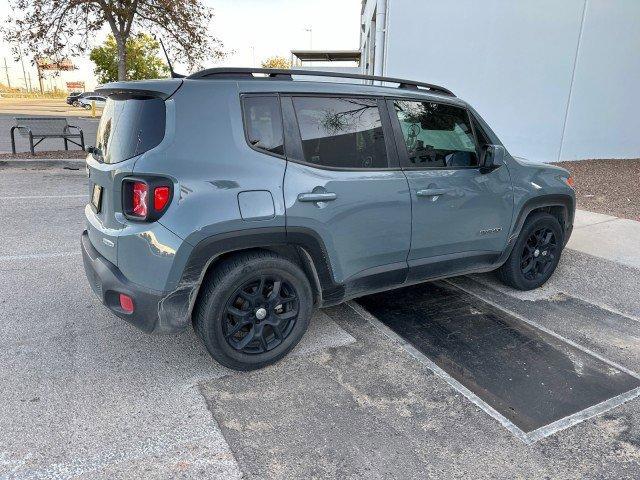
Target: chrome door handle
{"x": 432, "y": 192}
{"x": 317, "y": 197}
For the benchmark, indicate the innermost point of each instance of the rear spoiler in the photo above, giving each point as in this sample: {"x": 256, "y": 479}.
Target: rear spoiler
{"x": 163, "y": 88}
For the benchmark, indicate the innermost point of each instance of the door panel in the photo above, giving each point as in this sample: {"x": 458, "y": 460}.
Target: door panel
{"x": 460, "y": 217}
{"x": 344, "y": 183}
{"x": 459, "y": 210}
{"x": 363, "y": 218}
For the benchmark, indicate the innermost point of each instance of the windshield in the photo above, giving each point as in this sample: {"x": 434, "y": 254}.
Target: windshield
{"x": 129, "y": 127}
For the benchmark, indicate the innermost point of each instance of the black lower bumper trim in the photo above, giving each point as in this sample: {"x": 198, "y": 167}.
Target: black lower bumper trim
{"x": 108, "y": 282}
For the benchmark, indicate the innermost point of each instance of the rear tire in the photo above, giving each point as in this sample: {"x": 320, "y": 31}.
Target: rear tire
{"x": 254, "y": 309}
{"x": 536, "y": 253}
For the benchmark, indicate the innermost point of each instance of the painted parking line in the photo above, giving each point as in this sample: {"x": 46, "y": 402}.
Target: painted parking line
{"x": 37, "y": 256}
{"x": 521, "y": 374}
{"x": 43, "y": 197}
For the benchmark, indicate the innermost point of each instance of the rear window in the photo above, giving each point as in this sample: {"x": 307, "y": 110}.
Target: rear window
{"x": 129, "y": 127}
{"x": 263, "y": 123}
{"x": 341, "y": 132}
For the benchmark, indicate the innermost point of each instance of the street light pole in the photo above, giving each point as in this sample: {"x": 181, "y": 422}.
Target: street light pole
{"x": 310, "y": 30}
{"x": 6, "y": 70}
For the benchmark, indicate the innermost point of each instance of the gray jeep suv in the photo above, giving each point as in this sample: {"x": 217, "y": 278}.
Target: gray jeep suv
{"x": 238, "y": 200}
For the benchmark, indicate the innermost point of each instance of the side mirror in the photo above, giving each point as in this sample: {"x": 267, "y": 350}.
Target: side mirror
{"x": 95, "y": 152}
{"x": 491, "y": 157}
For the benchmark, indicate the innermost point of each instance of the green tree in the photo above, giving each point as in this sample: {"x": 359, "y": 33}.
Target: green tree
{"x": 142, "y": 59}
{"x": 59, "y": 29}
{"x": 276, "y": 62}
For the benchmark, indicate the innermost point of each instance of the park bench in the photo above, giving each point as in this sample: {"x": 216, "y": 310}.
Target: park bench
{"x": 39, "y": 128}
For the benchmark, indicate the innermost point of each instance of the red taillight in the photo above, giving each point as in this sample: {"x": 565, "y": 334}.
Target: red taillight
{"x": 145, "y": 199}
{"x": 160, "y": 198}
{"x": 140, "y": 199}
{"x": 126, "y": 303}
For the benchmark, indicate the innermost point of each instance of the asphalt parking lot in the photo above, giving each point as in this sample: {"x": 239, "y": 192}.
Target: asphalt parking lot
{"x": 85, "y": 395}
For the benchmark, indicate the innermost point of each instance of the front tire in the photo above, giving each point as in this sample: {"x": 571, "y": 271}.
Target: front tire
{"x": 254, "y": 309}
{"x": 536, "y": 253}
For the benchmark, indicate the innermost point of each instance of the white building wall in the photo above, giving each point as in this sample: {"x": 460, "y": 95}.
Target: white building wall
{"x": 604, "y": 112}
{"x": 527, "y": 66}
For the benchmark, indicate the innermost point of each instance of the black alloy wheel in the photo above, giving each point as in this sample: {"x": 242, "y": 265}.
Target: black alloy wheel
{"x": 260, "y": 314}
{"x": 539, "y": 253}
{"x": 535, "y": 254}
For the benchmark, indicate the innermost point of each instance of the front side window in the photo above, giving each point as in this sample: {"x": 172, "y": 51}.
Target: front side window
{"x": 341, "y": 132}
{"x": 263, "y": 123}
{"x": 129, "y": 127}
{"x": 436, "y": 134}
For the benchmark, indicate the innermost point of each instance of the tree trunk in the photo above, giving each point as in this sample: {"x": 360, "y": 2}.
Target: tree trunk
{"x": 122, "y": 58}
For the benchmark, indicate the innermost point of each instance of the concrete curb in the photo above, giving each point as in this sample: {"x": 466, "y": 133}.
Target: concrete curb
{"x": 72, "y": 163}
{"x": 604, "y": 236}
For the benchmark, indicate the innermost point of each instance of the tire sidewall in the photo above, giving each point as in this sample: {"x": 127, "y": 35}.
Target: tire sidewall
{"x": 215, "y": 307}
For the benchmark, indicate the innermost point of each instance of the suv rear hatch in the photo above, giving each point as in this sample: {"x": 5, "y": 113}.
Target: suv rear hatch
{"x": 132, "y": 123}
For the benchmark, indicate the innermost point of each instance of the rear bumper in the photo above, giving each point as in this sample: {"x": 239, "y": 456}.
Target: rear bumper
{"x": 154, "y": 312}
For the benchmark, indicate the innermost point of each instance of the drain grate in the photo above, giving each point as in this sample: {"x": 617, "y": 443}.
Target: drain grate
{"x": 528, "y": 376}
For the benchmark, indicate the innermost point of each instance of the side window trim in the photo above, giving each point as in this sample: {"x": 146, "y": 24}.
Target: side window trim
{"x": 292, "y": 138}
{"x": 475, "y": 136}
{"x": 392, "y": 154}
{"x": 393, "y": 162}
{"x": 477, "y": 126}
{"x": 244, "y": 96}
{"x": 401, "y": 146}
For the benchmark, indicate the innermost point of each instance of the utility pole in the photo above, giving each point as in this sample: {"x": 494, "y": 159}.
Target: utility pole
{"x": 24, "y": 73}
{"x": 40, "y": 77}
{"x": 310, "y": 30}
{"x": 6, "y": 70}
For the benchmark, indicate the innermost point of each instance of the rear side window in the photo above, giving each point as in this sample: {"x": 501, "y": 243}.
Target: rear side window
{"x": 436, "y": 134}
{"x": 129, "y": 127}
{"x": 341, "y": 132}
{"x": 263, "y": 123}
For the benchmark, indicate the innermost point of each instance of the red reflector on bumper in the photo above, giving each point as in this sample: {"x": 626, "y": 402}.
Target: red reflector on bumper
{"x": 126, "y": 303}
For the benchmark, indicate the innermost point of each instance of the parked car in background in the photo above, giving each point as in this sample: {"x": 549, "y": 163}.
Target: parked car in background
{"x": 238, "y": 204}
{"x": 86, "y": 102}
{"x": 73, "y": 97}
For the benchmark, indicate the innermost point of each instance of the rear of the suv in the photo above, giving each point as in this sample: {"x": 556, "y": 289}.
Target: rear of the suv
{"x": 126, "y": 250}
{"x": 173, "y": 186}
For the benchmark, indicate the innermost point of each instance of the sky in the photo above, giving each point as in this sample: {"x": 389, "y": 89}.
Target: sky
{"x": 250, "y": 30}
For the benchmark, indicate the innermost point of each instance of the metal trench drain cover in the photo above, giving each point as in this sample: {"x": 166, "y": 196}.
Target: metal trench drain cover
{"x": 528, "y": 376}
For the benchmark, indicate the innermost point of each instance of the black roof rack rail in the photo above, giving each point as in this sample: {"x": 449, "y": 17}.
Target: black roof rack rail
{"x": 283, "y": 74}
